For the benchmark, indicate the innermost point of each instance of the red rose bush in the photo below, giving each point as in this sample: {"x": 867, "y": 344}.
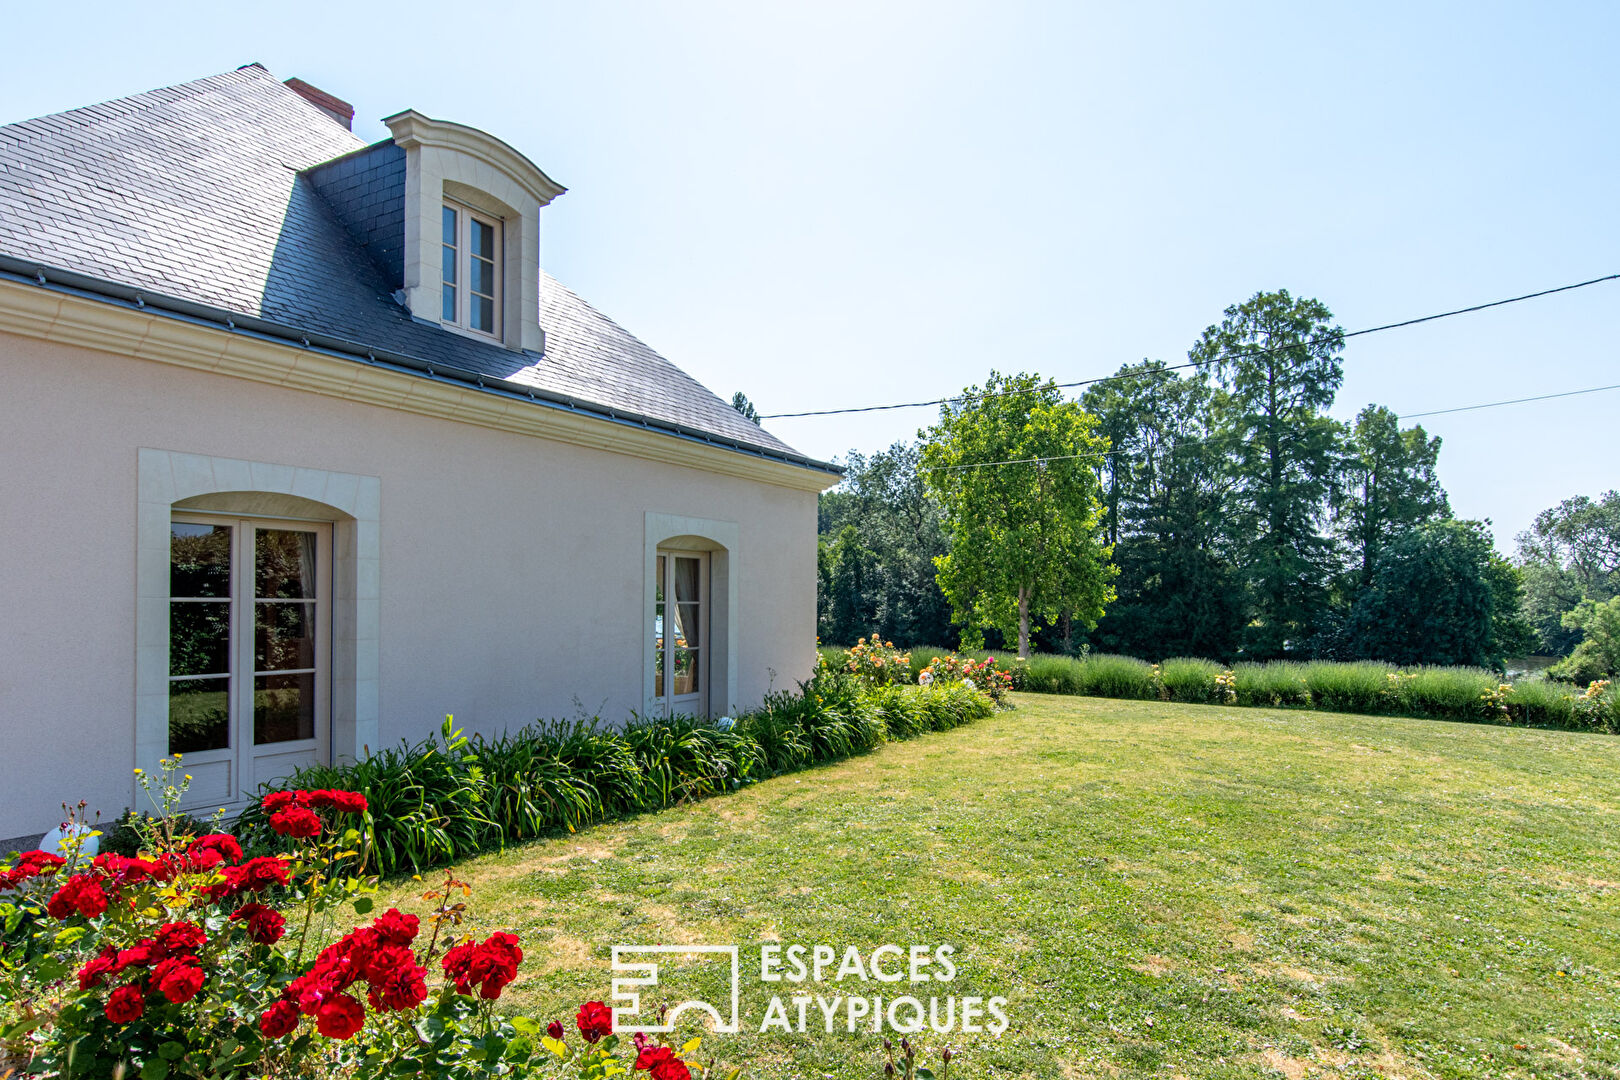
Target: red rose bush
{"x": 195, "y": 960}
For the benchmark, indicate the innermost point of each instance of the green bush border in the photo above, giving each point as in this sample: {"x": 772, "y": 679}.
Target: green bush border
{"x": 452, "y": 795}
{"x": 1366, "y": 686}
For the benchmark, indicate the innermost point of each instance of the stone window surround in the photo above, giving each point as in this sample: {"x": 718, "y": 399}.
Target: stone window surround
{"x": 720, "y": 539}
{"x": 452, "y": 161}
{"x": 168, "y": 480}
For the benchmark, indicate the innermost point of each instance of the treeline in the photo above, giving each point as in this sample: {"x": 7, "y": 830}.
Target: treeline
{"x": 1247, "y": 524}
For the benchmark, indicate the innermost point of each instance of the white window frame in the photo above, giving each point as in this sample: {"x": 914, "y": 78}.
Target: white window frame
{"x": 669, "y": 702}
{"x": 465, "y": 216}
{"x": 241, "y": 758}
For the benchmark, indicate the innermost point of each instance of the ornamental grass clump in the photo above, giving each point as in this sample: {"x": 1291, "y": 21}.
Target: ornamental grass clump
{"x": 1190, "y": 679}
{"x": 1277, "y": 684}
{"x": 192, "y": 959}
{"x": 1106, "y": 675}
{"x": 1448, "y": 693}
{"x": 1349, "y": 687}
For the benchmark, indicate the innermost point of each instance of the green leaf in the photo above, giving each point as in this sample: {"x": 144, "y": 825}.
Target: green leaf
{"x": 363, "y": 905}
{"x": 172, "y": 1051}
{"x": 71, "y": 934}
{"x": 526, "y": 1025}
{"x": 925, "y": 1074}
{"x": 154, "y": 1069}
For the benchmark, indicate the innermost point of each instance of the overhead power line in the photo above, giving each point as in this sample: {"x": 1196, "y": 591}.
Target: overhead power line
{"x": 1151, "y": 371}
{"x": 1100, "y": 454}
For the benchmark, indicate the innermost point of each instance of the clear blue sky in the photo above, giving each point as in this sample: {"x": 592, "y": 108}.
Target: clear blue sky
{"x": 838, "y": 203}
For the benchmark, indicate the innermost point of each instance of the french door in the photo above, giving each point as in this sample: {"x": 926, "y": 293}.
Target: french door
{"x": 681, "y": 633}
{"x": 249, "y": 651}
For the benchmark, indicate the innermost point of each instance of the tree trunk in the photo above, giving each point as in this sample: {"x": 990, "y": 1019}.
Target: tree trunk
{"x": 1023, "y": 624}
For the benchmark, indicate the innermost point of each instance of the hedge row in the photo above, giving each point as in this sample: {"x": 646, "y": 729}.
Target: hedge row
{"x": 451, "y": 796}
{"x": 1441, "y": 693}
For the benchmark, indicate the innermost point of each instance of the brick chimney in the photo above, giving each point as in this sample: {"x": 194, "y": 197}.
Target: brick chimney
{"x": 336, "y": 108}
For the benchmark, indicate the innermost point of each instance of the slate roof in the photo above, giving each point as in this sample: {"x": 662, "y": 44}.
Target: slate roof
{"x": 227, "y": 192}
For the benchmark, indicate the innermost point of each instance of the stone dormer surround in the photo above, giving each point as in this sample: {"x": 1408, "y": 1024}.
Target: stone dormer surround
{"x": 445, "y": 160}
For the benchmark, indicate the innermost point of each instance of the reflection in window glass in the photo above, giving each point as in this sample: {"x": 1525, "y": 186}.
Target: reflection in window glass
{"x": 199, "y": 715}
{"x": 283, "y": 708}
{"x": 284, "y": 564}
{"x": 200, "y": 637}
{"x": 284, "y": 636}
{"x": 199, "y": 560}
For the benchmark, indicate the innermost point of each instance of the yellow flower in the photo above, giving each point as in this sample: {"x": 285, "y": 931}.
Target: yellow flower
{"x": 137, "y": 772}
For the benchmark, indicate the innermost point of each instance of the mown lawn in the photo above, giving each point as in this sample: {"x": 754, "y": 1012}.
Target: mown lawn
{"x": 1159, "y": 890}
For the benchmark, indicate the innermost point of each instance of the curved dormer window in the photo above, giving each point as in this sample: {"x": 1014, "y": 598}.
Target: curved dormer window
{"x": 471, "y": 261}
{"x": 472, "y": 231}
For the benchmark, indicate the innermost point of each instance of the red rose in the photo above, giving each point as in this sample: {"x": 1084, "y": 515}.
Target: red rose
{"x": 179, "y": 978}
{"x": 279, "y": 1020}
{"x": 344, "y": 802}
{"x": 179, "y": 937}
{"x": 395, "y": 928}
{"x": 102, "y": 965}
{"x": 299, "y": 822}
{"x": 264, "y": 925}
{"x": 340, "y": 1016}
{"x": 81, "y": 893}
{"x": 125, "y": 1004}
{"x": 652, "y": 1056}
{"x": 223, "y": 845}
{"x": 673, "y": 1069}
{"x": 555, "y": 1030}
{"x": 489, "y": 966}
{"x": 124, "y": 871}
{"x": 595, "y": 1020}
{"x": 137, "y": 955}
{"x": 30, "y": 864}
{"x": 280, "y": 800}
{"x": 403, "y": 987}
{"x": 662, "y": 1063}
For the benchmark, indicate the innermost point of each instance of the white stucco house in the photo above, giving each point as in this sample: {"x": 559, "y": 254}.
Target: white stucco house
{"x": 303, "y": 450}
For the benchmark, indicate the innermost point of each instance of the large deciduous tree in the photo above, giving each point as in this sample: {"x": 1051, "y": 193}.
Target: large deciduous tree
{"x": 1438, "y": 595}
{"x": 1277, "y": 367}
{"x": 900, "y": 524}
{"x": 1166, "y": 496}
{"x": 1014, "y": 467}
{"x": 1387, "y": 485}
{"x": 1569, "y": 554}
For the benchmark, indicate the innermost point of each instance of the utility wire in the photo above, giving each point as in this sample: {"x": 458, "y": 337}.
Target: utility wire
{"x": 1512, "y": 401}
{"x": 1196, "y": 442}
{"x": 1149, "y": 371}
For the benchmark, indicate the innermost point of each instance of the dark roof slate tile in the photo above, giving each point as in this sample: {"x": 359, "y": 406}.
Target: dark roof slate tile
{"x": 209, "y": 191}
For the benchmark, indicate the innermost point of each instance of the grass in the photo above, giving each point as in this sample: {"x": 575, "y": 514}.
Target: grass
{"x": 1159, "y": 889}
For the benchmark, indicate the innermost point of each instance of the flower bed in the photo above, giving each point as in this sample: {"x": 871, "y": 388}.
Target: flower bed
{"x": 179, "y": 962}
{"x": 452, "y": 796}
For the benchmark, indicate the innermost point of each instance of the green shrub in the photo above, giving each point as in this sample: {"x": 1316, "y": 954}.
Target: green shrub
{"x": 1105, "y": 675}
{"x": 1542, "y": 703}
{"x": 1186, "y": 678}
{"x": 1277, "y": 684}
{"x": 900, "y": 710}
{"x": 951, "y": 705}
{"x": 1047, "y": 674}
{"x": 1360, "y": 687}
{"x": 1448, "y": 693}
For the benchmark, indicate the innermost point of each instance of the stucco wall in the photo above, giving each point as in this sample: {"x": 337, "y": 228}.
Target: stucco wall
{"x": 511, "y": 566}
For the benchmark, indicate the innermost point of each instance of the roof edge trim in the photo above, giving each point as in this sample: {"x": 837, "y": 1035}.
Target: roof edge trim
{"x": 411, "y": 129}
{"x": 218, "y": 320}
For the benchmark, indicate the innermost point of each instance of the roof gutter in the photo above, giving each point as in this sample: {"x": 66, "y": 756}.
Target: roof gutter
{"x": 128, "y": 296}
